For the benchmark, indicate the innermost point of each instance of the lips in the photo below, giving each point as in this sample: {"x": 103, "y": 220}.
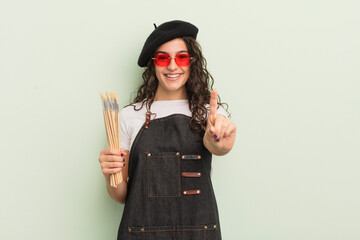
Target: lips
{"x": 172, "y": 76}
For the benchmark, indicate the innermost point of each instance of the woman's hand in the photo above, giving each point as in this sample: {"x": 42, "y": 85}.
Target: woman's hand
{"x": 220, "y": 132}
{"x": 112, "y": 160}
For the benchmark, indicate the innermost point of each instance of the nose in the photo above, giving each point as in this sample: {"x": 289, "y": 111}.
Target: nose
{"x": 172, "y": 66}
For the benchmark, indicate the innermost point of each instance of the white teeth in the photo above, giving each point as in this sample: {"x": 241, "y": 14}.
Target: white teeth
{"x": 172, "y": 75}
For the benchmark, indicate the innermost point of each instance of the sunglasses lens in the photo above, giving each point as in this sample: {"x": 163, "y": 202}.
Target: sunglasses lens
{"x": 162, "y": 60}
{"x": 182, "y": 59}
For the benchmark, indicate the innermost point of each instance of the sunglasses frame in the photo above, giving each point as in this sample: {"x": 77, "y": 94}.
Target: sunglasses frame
{"x": 176, "y": 57}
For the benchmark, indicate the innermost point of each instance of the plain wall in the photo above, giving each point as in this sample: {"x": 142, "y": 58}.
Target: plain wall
{"x": 289, "y": 71}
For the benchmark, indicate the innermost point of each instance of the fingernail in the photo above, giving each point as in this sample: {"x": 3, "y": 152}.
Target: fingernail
{"x": 123, "y": 159}
{"x": 124, "y": 164}
{"x": 215, "y": 136}
{"x": 121, "y": 154}
{"x": 218, "y": 140}
{"x": 224, "y": 136}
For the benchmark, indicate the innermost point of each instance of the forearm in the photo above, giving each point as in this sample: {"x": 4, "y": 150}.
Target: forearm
{"x": 118, "y": 193}
{"x": 218, "y": 148}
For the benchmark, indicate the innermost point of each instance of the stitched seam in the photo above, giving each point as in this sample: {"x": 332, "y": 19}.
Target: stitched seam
{"x": 170, "y": 230}
{"x": 159, "y": 156}
{"x": 170, "y": 116}
{"x": 147, "y": 174}
{"x": 179, "y": 175}
{"x": 173, "y": 228}
{"x": 162, "y": 196}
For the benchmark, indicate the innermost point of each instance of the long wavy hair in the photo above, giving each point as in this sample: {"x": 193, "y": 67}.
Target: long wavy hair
{"x": 198, "y": 86}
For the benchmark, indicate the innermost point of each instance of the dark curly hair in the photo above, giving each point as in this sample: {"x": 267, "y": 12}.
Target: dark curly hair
{"x": 198, "y": 86}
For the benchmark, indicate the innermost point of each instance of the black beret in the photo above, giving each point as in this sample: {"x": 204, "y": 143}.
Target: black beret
{"x": 164, "y": 33}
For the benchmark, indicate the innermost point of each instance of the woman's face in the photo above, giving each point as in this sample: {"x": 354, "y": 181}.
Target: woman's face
{"x": 172, "y": 78}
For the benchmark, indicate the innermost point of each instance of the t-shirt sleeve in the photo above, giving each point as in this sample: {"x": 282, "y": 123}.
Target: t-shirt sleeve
{"x": 222, "y": 111}
{"x": 124, "y": 132}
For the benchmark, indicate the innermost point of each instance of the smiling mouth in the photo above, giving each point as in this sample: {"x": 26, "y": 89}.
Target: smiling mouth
{"x": 172, "y": 76}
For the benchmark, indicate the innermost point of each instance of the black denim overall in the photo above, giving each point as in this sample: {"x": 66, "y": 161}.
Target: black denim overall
{"x": 170, "y": 194}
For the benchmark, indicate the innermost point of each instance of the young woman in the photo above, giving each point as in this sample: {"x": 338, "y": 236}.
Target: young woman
{"x": 168, "y": 135}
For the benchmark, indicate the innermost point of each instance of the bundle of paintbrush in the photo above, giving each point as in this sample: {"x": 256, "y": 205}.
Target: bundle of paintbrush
{"x": 111, "y": 119}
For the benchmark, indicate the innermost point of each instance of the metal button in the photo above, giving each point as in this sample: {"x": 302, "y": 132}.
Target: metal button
{"x": 182, "y": 157}
{"x": 205, "y": 227}
{"x": 129, "y": 229}
{"x": 199, "y": 157}
{"x": 185, "y": 193}
{"x": 149, "y": 154}
{"x": 177, "y": 154}
{"x": 215, "y": 226}
{"x": 199, "y": 174}
{"x": 142, "y": 229}
{"x": 198, "y": 191}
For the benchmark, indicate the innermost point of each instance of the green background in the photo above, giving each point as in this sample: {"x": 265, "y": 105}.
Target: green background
{"x": 288, "y": 69}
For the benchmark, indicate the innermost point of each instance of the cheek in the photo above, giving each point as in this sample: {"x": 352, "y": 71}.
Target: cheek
{"x": 157, "y": 72}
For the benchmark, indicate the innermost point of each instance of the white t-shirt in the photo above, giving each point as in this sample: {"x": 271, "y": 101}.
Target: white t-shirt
{"x": 131, "y": 121}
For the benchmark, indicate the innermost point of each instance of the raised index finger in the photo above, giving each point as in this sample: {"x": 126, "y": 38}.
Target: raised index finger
{"x": 213, "y": 106}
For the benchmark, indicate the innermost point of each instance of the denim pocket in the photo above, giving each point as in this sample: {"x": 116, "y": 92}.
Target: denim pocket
{"x": 163, "y": 174}
{"x": 203, "y": 232}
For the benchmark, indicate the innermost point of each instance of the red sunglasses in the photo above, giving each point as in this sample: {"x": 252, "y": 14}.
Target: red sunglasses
{"x": 181, "y": 59}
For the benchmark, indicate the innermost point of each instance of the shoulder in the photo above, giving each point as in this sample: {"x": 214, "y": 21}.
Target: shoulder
{"x": 132, "y": 113}
{"x": 133, "y": 109}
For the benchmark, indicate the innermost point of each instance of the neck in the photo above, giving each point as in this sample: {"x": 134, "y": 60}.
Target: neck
{"x": 167, "y": 96}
